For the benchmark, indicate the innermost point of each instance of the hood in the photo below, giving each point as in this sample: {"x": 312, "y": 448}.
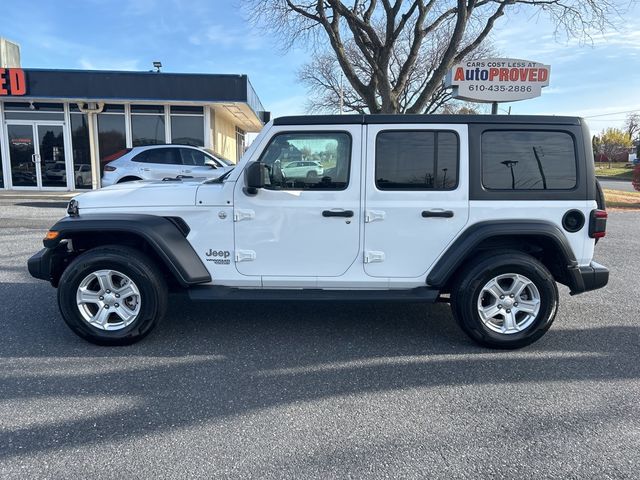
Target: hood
{"x": 142, "y": 194}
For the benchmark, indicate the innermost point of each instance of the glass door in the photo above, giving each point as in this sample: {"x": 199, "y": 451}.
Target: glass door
{"x": 37, "y": 155}
{"x": 22, "y": 155}
{"x": 51, "y": 156}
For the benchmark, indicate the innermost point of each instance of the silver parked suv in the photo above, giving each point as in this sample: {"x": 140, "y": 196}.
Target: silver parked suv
{"x": 155, "y": 162}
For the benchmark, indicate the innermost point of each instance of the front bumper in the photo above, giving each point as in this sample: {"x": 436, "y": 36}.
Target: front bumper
{"x": 49, "y": 263}
{"x": 590, "y": 277}
{"x": 40, "y": 264}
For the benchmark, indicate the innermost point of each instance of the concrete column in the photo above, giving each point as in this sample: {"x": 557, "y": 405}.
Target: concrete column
{"x": 94, "y": 152}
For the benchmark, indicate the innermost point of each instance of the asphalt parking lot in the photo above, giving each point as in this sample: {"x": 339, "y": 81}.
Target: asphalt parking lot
{"x": 317, "y": 390}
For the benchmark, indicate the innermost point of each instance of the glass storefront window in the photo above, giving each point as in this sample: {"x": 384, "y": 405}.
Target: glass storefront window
{"x": 81, "y": 152}
{"x": 186, "y": 110}
{"x": 187, "y": 125}
{"x": 147, "y": 130}
{"x": 33, "y": 111}
{"x": 111, "y": 135}
{"x": 147, "y": 109}
{"x": 187, "y": 130}
{"x": 240, "y": 136}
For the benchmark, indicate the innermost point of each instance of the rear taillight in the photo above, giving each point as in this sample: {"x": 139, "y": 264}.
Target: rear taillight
{"x": 598, "y": 223}
{"x": 109, "y": 168}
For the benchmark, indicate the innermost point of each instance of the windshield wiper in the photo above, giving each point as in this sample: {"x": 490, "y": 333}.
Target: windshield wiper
{"x": 221, "y": 178}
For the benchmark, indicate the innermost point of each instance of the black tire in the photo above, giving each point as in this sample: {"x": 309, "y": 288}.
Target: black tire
{"x": 79, "y": 182}
{"x": 132, "y": 263}
{"x": 469, "y": 286}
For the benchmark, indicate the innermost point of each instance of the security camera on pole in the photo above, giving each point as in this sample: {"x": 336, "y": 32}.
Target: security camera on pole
{"x": 494, "y": 80}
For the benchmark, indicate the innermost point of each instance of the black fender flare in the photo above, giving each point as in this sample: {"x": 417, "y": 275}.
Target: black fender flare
{"x": 474, "y": 235}
{"x": 166, "y": 236}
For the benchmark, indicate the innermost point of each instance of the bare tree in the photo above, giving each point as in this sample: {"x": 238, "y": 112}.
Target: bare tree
{"x": 365, "y": 37}
{"x": 632, "y": 125}
{"x": 329, "y": 92}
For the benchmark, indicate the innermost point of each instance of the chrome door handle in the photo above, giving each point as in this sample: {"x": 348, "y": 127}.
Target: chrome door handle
{"x": 437, "y": 214}
{"x": 186, "y": 171}
{"x": 145, "y": 169}
{"x": 338, "y": 213}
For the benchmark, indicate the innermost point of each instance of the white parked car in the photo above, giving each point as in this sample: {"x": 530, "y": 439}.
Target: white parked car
{"x": 82, "y": 174}
{"x": 303, "y": 169}
{"x": 156, "y": 162}
{"x": 58, "y": 171}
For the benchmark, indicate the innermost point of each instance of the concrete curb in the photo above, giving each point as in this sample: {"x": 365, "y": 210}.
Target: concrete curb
{"x": 613, "y": 179}
{"x": 16, "y": 195}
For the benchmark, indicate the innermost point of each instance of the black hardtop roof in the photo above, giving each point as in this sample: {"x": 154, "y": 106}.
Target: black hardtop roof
{"x": 413, "y": 119}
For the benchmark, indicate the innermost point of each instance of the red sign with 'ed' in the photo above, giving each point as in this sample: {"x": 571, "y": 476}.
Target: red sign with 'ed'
{"x": 12, "y": 81}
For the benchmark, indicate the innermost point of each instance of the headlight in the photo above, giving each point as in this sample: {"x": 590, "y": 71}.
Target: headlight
{"x": 73, "y": 208}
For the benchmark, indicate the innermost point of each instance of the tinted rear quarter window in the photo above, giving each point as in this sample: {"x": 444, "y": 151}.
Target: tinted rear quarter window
{"x": 163, "y": 156}
{"x": 416, "y": 160}
{"x": 528, "y": 160}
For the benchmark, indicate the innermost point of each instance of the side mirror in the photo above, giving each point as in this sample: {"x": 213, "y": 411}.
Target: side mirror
{"x": 254, "y": 177}
{"x": 210, "y": 163}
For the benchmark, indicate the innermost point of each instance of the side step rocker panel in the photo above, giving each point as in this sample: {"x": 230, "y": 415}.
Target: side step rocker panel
{"x": 204, "y": 293}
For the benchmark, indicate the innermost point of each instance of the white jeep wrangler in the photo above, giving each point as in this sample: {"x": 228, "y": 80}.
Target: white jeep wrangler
{"x": 485, "y": 212}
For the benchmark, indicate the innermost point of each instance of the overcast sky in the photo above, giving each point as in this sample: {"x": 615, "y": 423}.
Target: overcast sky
{"x": 213, "y": 36}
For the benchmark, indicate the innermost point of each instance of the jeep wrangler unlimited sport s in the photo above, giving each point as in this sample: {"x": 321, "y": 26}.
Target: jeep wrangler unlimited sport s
{"x": 485, "y": 212}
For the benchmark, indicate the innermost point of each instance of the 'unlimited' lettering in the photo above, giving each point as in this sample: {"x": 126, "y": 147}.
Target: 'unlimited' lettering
{"x": 12, "y": 81}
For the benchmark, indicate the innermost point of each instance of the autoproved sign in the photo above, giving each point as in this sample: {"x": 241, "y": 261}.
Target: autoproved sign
{"x": 498, "y": 79}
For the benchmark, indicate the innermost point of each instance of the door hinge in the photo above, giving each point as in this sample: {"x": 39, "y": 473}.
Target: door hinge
{"x": 240, "y": 214}
{"x": 374, "y": 215}
{"x": 373, "y": 257}
{"x": 245, "y": 255}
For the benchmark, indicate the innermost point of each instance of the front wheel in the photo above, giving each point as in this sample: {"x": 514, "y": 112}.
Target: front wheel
{"x": 506, "y": 300}
{"x": 112, "y": 295}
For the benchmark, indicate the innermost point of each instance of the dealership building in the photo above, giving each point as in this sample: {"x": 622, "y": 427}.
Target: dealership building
{"x": 59, "y": 127}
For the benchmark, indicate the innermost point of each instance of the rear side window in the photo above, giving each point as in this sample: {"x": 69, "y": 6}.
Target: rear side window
{"x": 163, "y": 156}
{"x": 416, "y": 160}
{"x": 528, "y": 160}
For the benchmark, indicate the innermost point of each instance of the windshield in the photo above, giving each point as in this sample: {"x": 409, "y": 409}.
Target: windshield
{"x": 225, "y": 161}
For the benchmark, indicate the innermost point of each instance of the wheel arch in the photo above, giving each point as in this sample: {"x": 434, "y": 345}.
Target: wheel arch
{"x": 129, "y": 178}
{"x": 542, "y": 240}
{"x": 163, "y": 238}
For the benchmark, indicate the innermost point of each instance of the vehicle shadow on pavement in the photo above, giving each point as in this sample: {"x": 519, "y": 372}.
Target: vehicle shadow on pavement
{"x": 43, "y": 204}
{"x": 213, "y": 361}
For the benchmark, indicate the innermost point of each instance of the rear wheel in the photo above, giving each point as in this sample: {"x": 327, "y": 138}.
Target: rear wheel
{"x": 505, "y": 301}
{"x": 112, "y": 295}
